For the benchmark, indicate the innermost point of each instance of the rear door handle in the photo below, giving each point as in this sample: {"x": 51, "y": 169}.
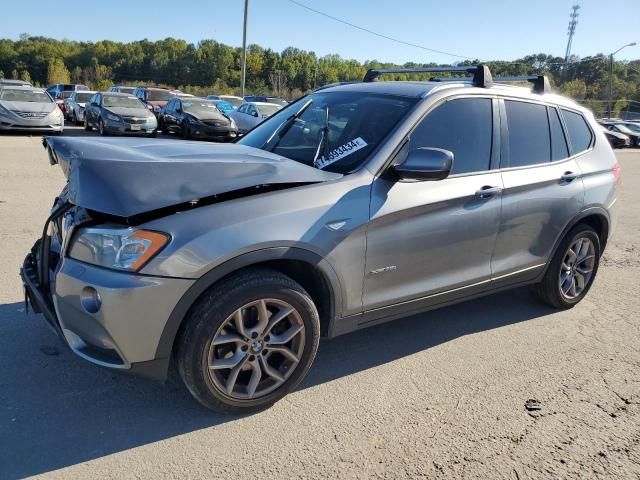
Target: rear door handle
{"x": 488, "y": 191}
{"x": 568, "y": 177}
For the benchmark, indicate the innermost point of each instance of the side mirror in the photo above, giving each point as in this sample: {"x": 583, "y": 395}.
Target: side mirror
{"x": 255, "y": 114}
{"x": 425, "y": 163}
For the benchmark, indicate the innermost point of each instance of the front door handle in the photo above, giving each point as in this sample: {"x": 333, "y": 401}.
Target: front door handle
{"x": 488, "y": 191}
{"x": 568, "y": 177}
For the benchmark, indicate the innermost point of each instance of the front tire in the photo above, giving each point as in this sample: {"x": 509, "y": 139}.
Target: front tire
{"x": 572, "y": 269}
{"x": 101, "y": 128}
{"x": 87, "y": 127}
{"x": 186, "y": 132}
{"x": 248, "y": 342}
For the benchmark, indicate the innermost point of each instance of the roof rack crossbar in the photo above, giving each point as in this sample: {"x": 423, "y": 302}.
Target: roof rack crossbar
{"x": 540, "y": 82}
{"x": 481, "y": 75}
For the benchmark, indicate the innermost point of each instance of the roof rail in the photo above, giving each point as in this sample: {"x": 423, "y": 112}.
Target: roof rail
{"x": 540, "y": 82}
{"x": 481, "y": 73}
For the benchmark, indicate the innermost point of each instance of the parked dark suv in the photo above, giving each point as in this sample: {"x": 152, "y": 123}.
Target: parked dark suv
{"x": 355, "y": 205}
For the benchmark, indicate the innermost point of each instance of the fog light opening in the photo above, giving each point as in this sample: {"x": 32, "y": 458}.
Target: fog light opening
{"x": 90, "y": 299}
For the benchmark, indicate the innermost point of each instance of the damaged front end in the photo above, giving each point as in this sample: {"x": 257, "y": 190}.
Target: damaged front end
{"x": 83, "y": 274}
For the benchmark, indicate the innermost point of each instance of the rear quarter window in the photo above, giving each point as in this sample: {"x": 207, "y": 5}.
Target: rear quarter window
{"x": 580, "y": 135}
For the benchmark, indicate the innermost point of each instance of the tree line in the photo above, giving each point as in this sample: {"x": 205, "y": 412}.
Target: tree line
{"x": 213, "y": 67}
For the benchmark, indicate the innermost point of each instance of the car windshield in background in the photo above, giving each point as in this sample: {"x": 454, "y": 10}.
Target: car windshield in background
{"x": 224, "y": 106}
{"x": 268, "y": 110}
{"x": 236, "y": 102}
{"x": 624, "y": 128}
{"x": 159, "y": 95}
{"x": 633, "y": 126}
{"x": 83, "y": 97}
{"x": 126, "y": 89}
{"x": 358, "y": 122}
{"x": 121, "y": 101}
{"x": 278, "y": 101}
{"x": 11, "y": 95}
{"x": 198, "y": 105}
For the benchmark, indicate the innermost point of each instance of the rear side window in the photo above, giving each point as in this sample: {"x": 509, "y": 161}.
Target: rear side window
{"x": 465, "y": 127}
{"x": 580, "y": 135}
{"x": 559, "y": 149}
{"x": 529, "y": 138}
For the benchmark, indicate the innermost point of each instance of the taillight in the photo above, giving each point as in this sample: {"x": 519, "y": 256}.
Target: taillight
{"x": 616, "y": 172}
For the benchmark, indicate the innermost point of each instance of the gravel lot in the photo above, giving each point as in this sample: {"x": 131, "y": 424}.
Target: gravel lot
{"x": 439, "y": 395}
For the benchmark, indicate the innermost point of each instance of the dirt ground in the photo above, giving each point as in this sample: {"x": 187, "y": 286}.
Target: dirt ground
{"x": 439, "y": 395}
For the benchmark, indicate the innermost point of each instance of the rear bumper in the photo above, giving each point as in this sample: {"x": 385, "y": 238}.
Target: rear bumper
{"x": 120, "y": 331}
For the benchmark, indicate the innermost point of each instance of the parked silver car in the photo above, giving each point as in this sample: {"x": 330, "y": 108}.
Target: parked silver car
{"x": 250, "y": 114}
{"x": 75, "y": 105}
{"x": 119, "y": 114}
{"x": 354, "y": 205}
{"x": 24, "y": 108}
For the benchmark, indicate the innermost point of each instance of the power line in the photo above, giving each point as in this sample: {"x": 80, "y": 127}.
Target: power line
{"x": 378, "y": 34}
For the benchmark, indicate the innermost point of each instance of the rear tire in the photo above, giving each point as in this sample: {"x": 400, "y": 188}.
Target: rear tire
{"x": 250, "y": 315}
{"x": 569, "y": 276}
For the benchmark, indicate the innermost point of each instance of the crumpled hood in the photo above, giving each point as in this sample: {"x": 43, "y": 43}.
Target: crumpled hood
{"x": 130, "y": 176}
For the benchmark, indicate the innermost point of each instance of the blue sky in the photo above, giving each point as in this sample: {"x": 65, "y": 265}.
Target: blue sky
{"x": 489, "y": 29}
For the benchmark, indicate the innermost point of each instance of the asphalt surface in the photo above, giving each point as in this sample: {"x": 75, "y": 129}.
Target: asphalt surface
{"x": 439, "y": 395}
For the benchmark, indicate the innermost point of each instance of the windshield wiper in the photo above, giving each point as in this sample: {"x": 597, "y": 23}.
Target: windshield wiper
{"x": 323, "y": 145}
{"x": 284, "y": 127}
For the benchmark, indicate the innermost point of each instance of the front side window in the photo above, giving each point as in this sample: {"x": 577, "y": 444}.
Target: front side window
{"x": 529, "y": 138}
{"x": 580, "y": 135}
{"x": 463, "y": 126}
{"x": 334, "y": 131}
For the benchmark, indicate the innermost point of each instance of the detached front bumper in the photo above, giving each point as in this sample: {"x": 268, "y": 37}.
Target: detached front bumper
{"x": 112, "y": 319}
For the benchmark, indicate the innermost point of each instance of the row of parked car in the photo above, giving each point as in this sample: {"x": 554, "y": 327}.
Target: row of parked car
{"x": 124, "y": 110}
{"x": 621, "y": 133}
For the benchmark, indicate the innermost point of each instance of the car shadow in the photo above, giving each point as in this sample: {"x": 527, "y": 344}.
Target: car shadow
{"x": 58, "y": 410}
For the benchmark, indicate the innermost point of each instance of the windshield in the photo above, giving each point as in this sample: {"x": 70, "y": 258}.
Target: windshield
{"x": 33, "y": 96}
{"x": 158, "y": 95}
{"x": 224, "y": 106}
{"x": 126, "y": 89}
{"x": 268, "y": 110}
{"x": 83, "y": 97}
{"x": 633, "y": 126}
{"x": 358, "y": 122}
{"x": 279, "y": 101}
{"x": 121, "y": 101}
{"x": 236, "y": 102}
{"x": 200, "y": 106}
{"x": 623, "y": 128}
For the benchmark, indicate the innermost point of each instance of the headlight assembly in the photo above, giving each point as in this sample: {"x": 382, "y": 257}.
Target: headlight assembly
{"x": 120, "y": 249}
{"x": 113, "y": 117}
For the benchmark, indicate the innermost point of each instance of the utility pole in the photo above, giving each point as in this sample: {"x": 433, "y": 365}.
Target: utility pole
{"x": 573, "y": 21}
{"x": 611, "y": 77}
{"x": 244, "y": 47}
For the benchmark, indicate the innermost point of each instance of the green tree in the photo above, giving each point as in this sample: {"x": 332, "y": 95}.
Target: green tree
{"x": 24, "y": 75}
{"x": 57, "y": 72}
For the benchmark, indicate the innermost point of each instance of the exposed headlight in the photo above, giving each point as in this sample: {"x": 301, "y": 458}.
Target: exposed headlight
{"x": 192, "y": 120}
{"x": 233, "y": 123}
{"x": 157, "y": 108}
{"x": 120, "y": 249}
{"x": 113, "y": 117}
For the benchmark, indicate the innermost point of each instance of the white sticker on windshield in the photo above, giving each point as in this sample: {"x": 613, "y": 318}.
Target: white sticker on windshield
{"x": 340, "y": 152}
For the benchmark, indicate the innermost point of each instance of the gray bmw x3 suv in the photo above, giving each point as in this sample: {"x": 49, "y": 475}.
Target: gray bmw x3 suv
{"x": 357, "y": 204}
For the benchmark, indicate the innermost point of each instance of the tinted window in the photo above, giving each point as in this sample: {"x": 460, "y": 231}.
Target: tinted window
{"x": 578, "y": 130}
{"x": 463, "y": 126}
{"x": 559, "y": 149}
{"x": 529, "y": 140}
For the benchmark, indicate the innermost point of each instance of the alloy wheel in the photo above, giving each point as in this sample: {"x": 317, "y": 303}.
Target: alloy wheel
{"x": 256, "y": 349}
{"x": 577, "y": 267}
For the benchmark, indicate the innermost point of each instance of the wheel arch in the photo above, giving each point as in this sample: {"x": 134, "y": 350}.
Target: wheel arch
{"x": 309, "y": 269}
{"x": 596, "y": 217}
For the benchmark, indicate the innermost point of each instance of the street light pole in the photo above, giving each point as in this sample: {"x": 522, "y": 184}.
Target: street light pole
{"x": 611, "y": 76}
{"x": 244, "y": 47}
